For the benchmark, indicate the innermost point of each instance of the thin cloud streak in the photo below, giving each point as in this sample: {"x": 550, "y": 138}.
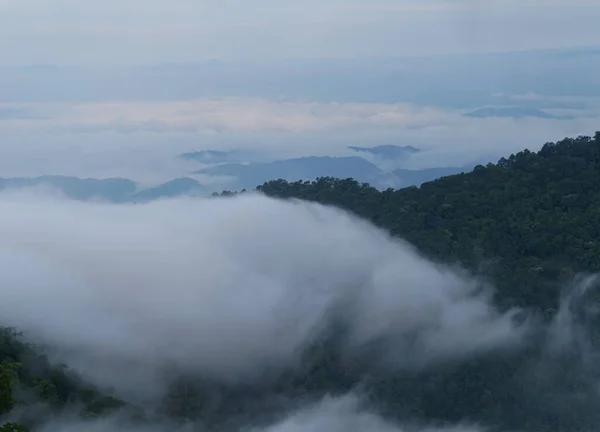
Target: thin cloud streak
{"x": 224, "y": 114}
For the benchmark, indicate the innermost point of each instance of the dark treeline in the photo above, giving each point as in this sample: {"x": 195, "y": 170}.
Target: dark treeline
{"x": 28, "y": 378}
{"x": 528, "y": 223}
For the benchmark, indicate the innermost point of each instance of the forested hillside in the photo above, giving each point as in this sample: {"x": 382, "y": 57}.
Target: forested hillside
{"x": 529, "y": 222}
{"x": 28, "y": 378}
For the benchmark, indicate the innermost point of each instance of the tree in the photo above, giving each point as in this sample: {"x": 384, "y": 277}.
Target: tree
{"x": 8, "y": 375}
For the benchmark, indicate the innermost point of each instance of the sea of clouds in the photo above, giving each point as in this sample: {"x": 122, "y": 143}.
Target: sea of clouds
{"x": 229, "y": 288}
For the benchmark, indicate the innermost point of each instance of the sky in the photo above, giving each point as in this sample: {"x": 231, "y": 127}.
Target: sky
{"x": 121, "y": 87}
{"x": 154, "y": 31}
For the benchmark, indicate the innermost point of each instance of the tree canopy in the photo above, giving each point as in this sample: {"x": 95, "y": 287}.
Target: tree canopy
{"x": 21, "y": 365}
{"x": 529, "y": 222}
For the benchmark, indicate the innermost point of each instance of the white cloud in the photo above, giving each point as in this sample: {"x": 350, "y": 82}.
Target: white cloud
{"x": 331, "y": 414}
{"x": 225, "y": 114}
{"x": 224, "y": 287}
{"x": 141, "y": 140}
{"x": 344, "y": 414}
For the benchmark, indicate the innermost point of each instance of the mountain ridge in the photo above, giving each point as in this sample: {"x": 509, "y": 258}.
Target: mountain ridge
{"x": 528, "y": 223}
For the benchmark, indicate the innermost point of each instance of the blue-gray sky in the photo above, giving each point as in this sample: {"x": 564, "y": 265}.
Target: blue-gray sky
{"x": 293, "y": 78}
{"x": 156, "y": 31}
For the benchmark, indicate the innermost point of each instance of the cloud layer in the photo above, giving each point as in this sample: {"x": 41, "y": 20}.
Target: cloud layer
{"x": 234, "y": 291}
{"x": 344, "y": 414}
{"x": 141, "y": 140}
{"x": 331, "y": 414}
{"x": 226, "y": 288}
{"x": 224, "y": 114}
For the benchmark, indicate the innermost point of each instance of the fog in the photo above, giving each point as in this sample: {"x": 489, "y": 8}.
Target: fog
{"x": 345, "y": 414}
{"x": 133, "y": 122}
{"x": 331, "y": 414}
{"x": 236, "y": 289}
{"x": 136, "y": 32}
{"x": 262, "y": 315}
{"x": 142, "y": 141}
{"x": 226, "y": 287}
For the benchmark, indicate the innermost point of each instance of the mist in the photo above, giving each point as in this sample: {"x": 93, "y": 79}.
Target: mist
{"x": 134, "y": 122}
{"x": 331, "y": 414}
{"x": 345, "y": 414}
{"x": 238, "y": 283}
{"x": 234, "y": 291}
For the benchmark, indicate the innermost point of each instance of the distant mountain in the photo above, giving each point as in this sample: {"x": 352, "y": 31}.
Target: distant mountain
{"x": 512, "y": 112}
{"x": 247, "y": 176}
{"x": 11, "y": 113}
{"x": 244, "y": 176}
{"x": 387, "y": 151}
{"x": 407, "y": 177}
{"x": 211, "y": 157}
{"x": 170, "y": 189}
{"x": 533, "y": 217}
{"x": 115, "y": 190}
{"x": 305, "y": 168}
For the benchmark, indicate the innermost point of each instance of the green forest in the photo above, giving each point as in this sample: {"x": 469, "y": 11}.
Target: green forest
{"x": 527, "y": 224}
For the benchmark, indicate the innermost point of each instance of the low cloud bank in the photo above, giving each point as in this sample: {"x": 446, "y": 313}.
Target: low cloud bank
{"x": 142, "y": 140}
{"x": 345, "y": 414}
{"x": 342, "y": 414}
{"x": 226, "y": 287}
{"x": 235, "y": 290}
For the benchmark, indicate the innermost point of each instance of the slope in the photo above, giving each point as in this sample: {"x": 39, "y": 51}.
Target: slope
{"x": 528, "y": 222}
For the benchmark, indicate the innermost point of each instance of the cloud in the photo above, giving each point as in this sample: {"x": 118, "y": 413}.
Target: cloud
{"x": 131, "y": 296}
{"x": 109, "y": 424}
{"x": 142, "y": 140}
{"x": 344, "y": 414}
{"x": 226, "y": 114}
{"x": 218, "y": 116}
{"x": 226, "y": 288}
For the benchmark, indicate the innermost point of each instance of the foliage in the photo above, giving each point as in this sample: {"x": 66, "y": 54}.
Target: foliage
{"x": 529, "y": 222}
{"x": 53, "y": 384}
{"x": 13, "y": 427}
{"x": 8, "y": 375}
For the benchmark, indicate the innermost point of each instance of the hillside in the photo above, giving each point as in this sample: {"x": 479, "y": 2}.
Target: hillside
{"x": 408, "y": 177}
{"x": 528, "y": 222}
{"x": 312, "y": 167}
{"x": 381, "y": 173}
{"x": 515, "y": 112}
{"x": 28, "y": 378}
{"x": 112, "y": 190}
{"x": 388, "y": 151}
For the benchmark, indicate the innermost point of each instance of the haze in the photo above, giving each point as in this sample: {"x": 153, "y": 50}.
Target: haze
{"x": 122, "y": 88}
{"x": 255, "y": 314}
{"x": 157, "y": 31}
